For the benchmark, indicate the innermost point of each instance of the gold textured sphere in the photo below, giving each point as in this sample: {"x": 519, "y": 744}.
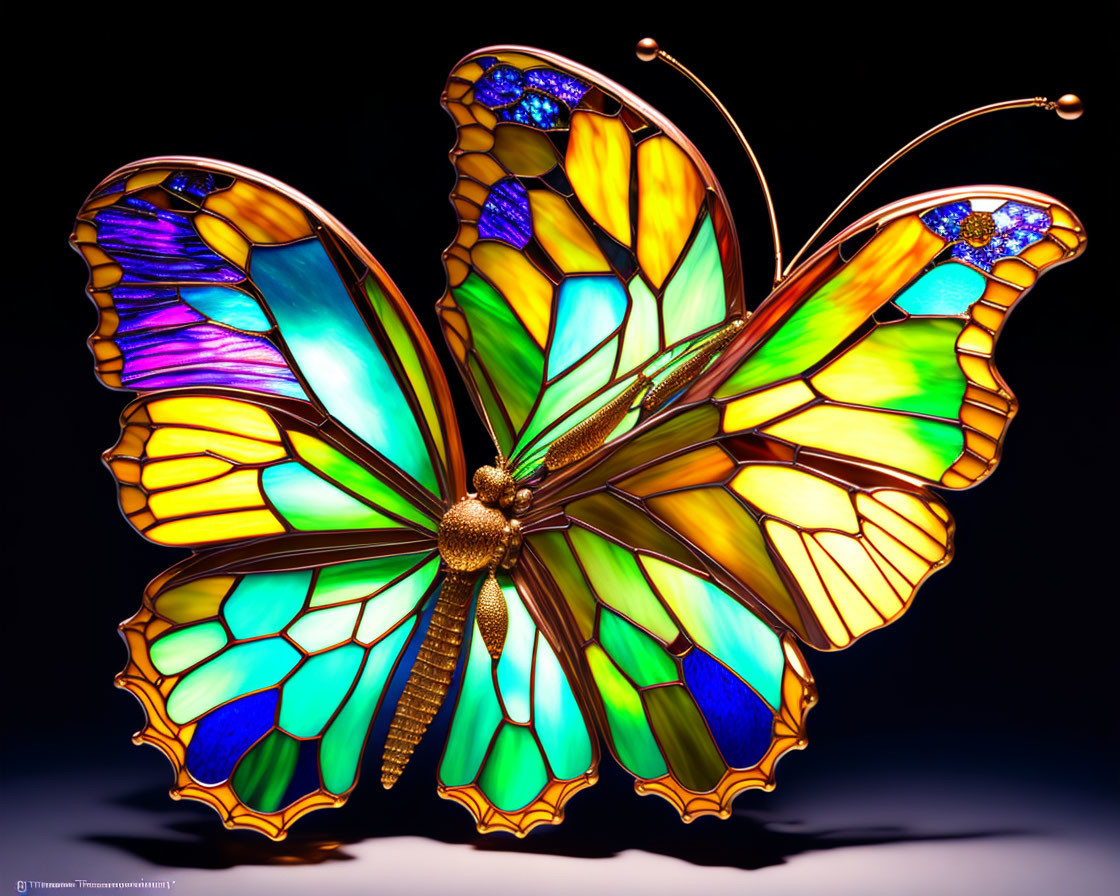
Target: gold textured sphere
{"x": 1070, "y": 107}
{"x": 492, "y": 485}
{"x": 470, "y": 533}
{"x": 647, "y": 49}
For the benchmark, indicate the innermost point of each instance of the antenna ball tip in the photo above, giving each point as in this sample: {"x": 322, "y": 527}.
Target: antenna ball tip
{"x": 647, "y": 49}
{"x": 1070, "y": 107}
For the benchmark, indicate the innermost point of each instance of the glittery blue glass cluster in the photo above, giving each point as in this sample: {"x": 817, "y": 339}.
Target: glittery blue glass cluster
{"x": 193, "y": 184}
{"x": 505, "y": 214}
{"x": 1017, "y": 226}
{"x": 535, "y": 97}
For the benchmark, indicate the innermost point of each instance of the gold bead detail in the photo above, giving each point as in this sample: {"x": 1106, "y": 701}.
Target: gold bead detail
{"x": 978, "y": 229}
{"x": 647, "y": 49}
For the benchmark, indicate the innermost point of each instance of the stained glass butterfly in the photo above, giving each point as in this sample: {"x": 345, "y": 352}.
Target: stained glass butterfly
{"x": 684, "y": 491}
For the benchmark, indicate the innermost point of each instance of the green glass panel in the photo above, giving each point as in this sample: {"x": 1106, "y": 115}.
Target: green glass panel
{"x": 264, "y": 772}
{"x": 557, "y": 557}
{"x": 557, "y": 718}
{"x": 630, "y": 734}
{"x": 311, "y": 696}
{"x": 349, "y": 581}
{"x": 620, "y": 584}
{"x": 477, "y": 715}
{"x": 723, "y": 627}
{"x": 694, "y": 298}
{"x": 311, "y": 503}
{"x": 226, "y": 305}
{"x": 515, "y": 667}
{"x": 640, "y": 342}
{"x": 572, "y": 388}
{"x": 402, "y": 342}
{"x": 607, "y": 513}
{"x": 357, "y": 478}
{"x": 636, "y": 653}
{"x": 512, "y": 357}
{"x": 264, "y": 602}
{"x": 341, "y": 748}
{"x": 239, "y": 670}
{"x": 514, "y": 772}
{"x": 910, "y": 365}
{"x": 394, "y": 603}
{"x": 336, "y": 353}
{"x": 490, "y": 403}
{"x": 948, "y": 289}
{"x": 683, "y": 735}
{"x": 320, "y": 629}
{"x": 179, "y": 650}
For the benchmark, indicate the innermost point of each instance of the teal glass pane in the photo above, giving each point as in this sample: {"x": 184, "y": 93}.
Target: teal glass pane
{"x": 310, "y": 503}
{"x": 350, "y": 581}
{"x": 948, "y": 289}
{"x": 588, "y": 310}
{"x": 320, "y": 629}
{"x": 342, "y": 744}
{"x": 723, "y": 627}
{"x": 381, "y": 613}
{"x": 336, "y": 353}
{"x": 311, "y": 696}
{"x": 477, "y": 715}
{"x": 239, "y": 670}
{"x": 515, "y": 668}
{"x": 225, "y": 305}
{"x": 514, "y": 772}
{"x": 264, "y": 602}
{"x": 556, "y": 717}
{"x": 181, "y": 649}
{"x": 636, "y": 653}
{"x": 694, "y": 299}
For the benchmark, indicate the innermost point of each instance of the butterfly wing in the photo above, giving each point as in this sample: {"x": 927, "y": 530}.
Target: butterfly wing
{"x": 295, "y": 430}
{"x": 593, "y": 239}
{"x": 795, "y": 477}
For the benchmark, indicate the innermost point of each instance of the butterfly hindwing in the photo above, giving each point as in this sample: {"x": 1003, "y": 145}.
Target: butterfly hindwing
{"x": 592, "y": 240}
{"x": 260, "y": 677}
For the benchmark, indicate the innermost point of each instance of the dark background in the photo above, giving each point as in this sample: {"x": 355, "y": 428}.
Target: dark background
{"x": 1008, "y": 651}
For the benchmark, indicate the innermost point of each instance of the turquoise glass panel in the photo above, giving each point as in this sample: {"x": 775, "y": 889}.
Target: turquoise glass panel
{"x": 239, "y": 670}
{"x": 336, "y": 353}
{"x": 227, "y": 306}
{"x": 948, "y": 289}
{"x": 310, "y": 503}
{"x": 515, "y": 668}
{"x": 588, "y": 310}
{"x": 477, "y": 715}
{"x": 342, "y": 745}
{"x": 557, "y": 718}
{"x": 694, "y": 299}
{"x": 264, "y": 602}
{"x": 181, "y": 649}
{"x": 514, "y": 772}
{"x": 311, "y": 696}
{"x": 349, "y": 581}
{"x": 321, "y": 629}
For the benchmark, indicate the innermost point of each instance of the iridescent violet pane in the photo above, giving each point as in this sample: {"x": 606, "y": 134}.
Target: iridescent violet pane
{"x": 946, "y": 221}
{"x": 557, "y": 84}
{"x": 156, "y": 245}
{"x": 151, "y": 308}
{"x": 505, "y": 214}
{"x": 499, "y": 87}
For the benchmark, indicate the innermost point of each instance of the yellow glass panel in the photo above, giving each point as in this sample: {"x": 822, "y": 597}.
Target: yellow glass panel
{"x": 523, "y": 150}
{"x": 179, "y": 471}
{"x": 521, "y": 60}
{"x": 481, "y": 167}
{"x": 237, "y": 417}
{"x": 105, "y": 275}
{"x": 879, "y": 437}
{"x": 979, "y": 370}
{"x": 971, "y": 467}
{"x": 792, "y": 549}
{"x": 484, "y": 116}
{"x": 200, "y": 530}
{"x": 125, "y": 470}
{"x": 222, "y": 238}
{"x": 703, "y": 466}
{"x": 1067, "y": 237}
{"x": 916, "y": 511}
{"x": 563, "y": 235}
{"x": 85, "y": 232}
{"x": 526, "y": 289}
{"x": 475, "y": 138}
{"x": 94, "y": 256}
{"x": 460, "y": 113}
{"x": 670, "y": 192}
{"x": 801, "y": 498}
{"x": 456, "y": 89}
{"x": 132, "y": 499}
{"x": 1014, "y": 271}
{"x": 851, "y": 557}
{"x": 261, "y": 214}
{"x": 988, "y": 422}
{"x": 200, "y": 599}
{"x": 598, "y": 167}
{"x": 987, "y": 316}
{"x": 897, "y": 581}
{"x": 469, "y": 72}
{"x": 475, "y": 192}
{"x": 901, "y": 558}
{"x": 1042, "y": 253}
{"x": 1060, "y": 216}
{"x": 974, "y": 339}
{"x": 906, "y": 532}
{"x": 979, "y": 444}
{"x": 146, "y": 179}
{"x": 173, "y": 441}
{"x": 748, "y": 412}
{"x": 1001, "y": 294}
{"x": 240, "y": 488}
{"x": 858, "y": 615}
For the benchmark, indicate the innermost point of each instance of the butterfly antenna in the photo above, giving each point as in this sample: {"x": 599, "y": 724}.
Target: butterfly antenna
{"x": 1068, "y": 107}
{"x": 648, "y": 50}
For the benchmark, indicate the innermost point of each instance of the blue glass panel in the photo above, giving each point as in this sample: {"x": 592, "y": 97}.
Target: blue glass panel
{"x": 499, "y": 86}
{"x": 557, "y": 84}
{"x": 305, "y": 777}
{"x": 223, "y": 736}
{"x": 505, "y": 214}
{"x": 948, "y": 289}
{"x": 740, "y": 722}
{"x": 195, "y": 185}
{"x": 588, "y": 310}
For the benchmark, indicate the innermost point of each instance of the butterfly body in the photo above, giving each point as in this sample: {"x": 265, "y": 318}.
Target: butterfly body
{"x": 684, "y": 490}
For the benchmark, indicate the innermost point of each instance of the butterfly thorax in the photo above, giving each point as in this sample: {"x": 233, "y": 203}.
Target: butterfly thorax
{"x": 478, "y": 532}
